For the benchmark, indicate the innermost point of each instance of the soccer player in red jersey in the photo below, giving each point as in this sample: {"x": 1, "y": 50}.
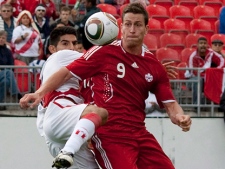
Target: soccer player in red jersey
{"x": 123, "y": 73}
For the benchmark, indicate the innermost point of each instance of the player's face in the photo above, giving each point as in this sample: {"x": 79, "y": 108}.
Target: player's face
{"x": 133, "y": 29}
{"x": 68, "y": 42}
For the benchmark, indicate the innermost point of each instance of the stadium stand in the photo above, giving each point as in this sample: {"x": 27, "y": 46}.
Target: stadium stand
{"x": 165, "y": 3}
{"x": 177, "y": 27}
{"x": 190, "y": 4}
{"x": 151, "y": 42}
{"x": 165, "y": 54}
{"x": 155, "y": 29}
{"x": 201, "y": 26}
{"x": 109, "y": 9}
{"x": 158, "y": 12}
{"x": 172, "y": 41}
{"x": 185, "y": 54}
{"x": 191, "y": 40}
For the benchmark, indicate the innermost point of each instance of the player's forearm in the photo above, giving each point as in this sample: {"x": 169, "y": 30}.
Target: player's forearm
{"x": 172, "y": 109}
{"x": 54, "y": 81}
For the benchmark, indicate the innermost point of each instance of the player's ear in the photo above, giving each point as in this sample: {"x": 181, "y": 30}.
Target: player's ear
{"x": 146, "y": 29}
{"x": 52, "y": 49}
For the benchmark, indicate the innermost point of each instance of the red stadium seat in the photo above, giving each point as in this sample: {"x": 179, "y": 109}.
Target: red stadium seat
{"x": 154, "y": 24}
{"x": 155, "y": 29}
{"x": 173, "y": 41}
{"x": 190, "y": 4}
{"x": 202, "y": 10}
{"x": 217, "y": 26}
{"x": 192, "y": 39}
{"x": 156, "y": 10}
{"x": 207, "y": 13}
{"x": 165, "y": 3}
{"x": 185, "y": 54}
{"x": 200, "y": 24}
{"x": 187, "y": 20}
{"x": 216, "y": 5}
{"x": 122, "y": 8}
{"x": 177, "y": 2}
{"x": 166, "y": 55}
{"x": 176, "y": 26}
{"x": 151, "y": 42}
{"x": 202, "y": 2}
{"x": 109, "y": 9}
{"x": 173, "y": 24}
{"x": 179, "y": 10}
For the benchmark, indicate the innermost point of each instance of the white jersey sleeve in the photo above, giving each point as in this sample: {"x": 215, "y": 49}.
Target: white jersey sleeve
{"x": 55, "y": 62}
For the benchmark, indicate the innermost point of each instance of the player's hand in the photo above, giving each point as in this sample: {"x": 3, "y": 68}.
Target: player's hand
{"x": 170, "y": 69}
{"x": 30, "y": 100}
{"x": 183, "y": 121}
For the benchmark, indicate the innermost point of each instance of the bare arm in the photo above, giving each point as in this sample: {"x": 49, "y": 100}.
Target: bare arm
{"x": 55, "y": 81}
{"x": 177, "y": 115}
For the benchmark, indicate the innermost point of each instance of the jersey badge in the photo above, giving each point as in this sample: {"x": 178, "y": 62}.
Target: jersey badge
{"x": 148, "y": 77}
{"x": 134, "y": 65}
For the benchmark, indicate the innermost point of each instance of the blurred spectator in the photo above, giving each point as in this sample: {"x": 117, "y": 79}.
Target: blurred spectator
{"x": 7, "y": 21}
{"x": 41, "y": 21}
{"x": 51, "y": 11}
{"x": 26, "y": 38}
{"x": 7, "y": 78}
{"x": 203, "y": 57}
{"x": 64, "y": 16}
{"x": 222, "y": 23}
{"x": 47, "y": 53}
{"x": 16, "y": 6}
{"x": 78, "y": 11}
{"x": 217, "y": 46}
{"x": 91, "y": 8}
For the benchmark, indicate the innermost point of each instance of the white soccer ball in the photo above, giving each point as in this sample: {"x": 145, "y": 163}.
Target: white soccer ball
{"x": 101, "y": 28}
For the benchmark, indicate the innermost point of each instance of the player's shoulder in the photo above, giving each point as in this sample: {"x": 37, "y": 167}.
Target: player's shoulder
{"x": 68, "y": 52}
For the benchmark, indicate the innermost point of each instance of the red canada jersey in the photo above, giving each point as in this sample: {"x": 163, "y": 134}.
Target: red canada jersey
{"x": 120, "y": 83}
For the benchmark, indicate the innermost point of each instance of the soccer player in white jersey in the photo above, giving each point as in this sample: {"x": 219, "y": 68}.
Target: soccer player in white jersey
{"x": 65, "y": 116}
{"x": 123, "y": 73}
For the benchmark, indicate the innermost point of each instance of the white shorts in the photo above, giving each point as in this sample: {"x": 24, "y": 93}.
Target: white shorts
{"x": 60, "y": 119}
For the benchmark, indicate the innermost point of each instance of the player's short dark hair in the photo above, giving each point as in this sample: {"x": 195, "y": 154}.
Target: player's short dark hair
{"x": 60, "y": 31}
{"x": 136, "y": 8}
{"x": 202, "y": 38}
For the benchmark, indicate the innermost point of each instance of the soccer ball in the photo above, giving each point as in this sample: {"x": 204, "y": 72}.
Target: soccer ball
{"x": 101, "y": 28}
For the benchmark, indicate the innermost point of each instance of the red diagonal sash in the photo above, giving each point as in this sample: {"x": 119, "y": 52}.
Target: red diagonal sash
{"x": 28, "y": 44}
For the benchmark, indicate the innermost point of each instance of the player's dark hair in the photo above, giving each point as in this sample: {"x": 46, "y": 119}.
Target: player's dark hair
{"x": 136, "y": 8}
{"x": 60, "y": 31}
{"x": 202, "y": 38}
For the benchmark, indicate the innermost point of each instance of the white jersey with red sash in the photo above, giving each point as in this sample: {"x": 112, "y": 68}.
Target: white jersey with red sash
{"x": 30, "y": 45}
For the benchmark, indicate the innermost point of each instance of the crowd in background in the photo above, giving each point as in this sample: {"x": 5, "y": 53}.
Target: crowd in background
{"x": 28, "y": 24}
